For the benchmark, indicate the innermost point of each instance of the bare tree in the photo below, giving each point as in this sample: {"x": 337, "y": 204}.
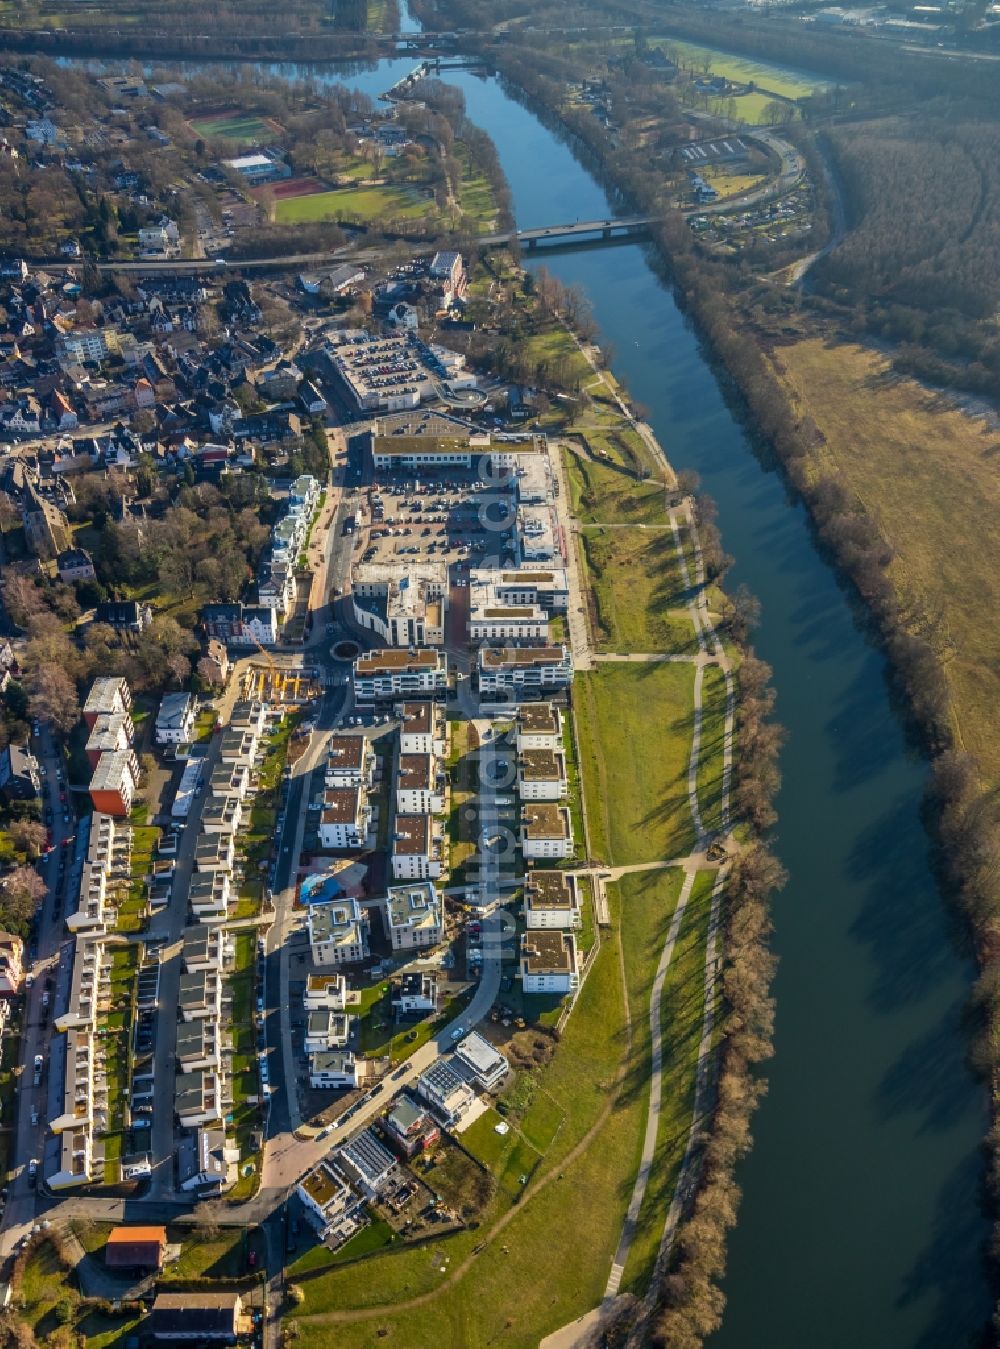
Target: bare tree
{"x": 28, "y": 836}
{"x": 52, "y": 697}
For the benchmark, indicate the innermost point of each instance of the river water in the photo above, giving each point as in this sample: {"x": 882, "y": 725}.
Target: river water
{"x": 862, "y": 1222}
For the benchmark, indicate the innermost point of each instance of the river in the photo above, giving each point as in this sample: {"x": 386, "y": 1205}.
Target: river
{"x": 862, "y": 1222}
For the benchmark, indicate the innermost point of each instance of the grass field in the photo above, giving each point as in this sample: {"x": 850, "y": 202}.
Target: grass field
{"x": 928, "y": 473}
{"x": 713, "y": 728}
{"x": 637, "y": 803}
{"x": 361, "y": 204}
{"x": 605, "y": 495}
{"x": 239, "y": 127}
{"x": 727, "y": 183}
{"x": 772, "y": 79}
{"x": 635, "y": 578}
{"x": 649, "y": 902}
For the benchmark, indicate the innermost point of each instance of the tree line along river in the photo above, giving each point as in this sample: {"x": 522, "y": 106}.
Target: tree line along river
{"x": 862, "y": 1222}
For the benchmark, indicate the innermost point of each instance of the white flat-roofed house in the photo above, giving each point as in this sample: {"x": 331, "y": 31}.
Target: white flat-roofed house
{"x": 366, "y": 1163}
{"x": 546, "y": 830}
{"x": 327, "y": 1030}
{"x": 325, "y": 992}
{"x": 175, "y": 719}
{"x": 202, "y": 948}
{"x": 541, "y": 775}
{"x": 549, "y": 962}
{"x": 418, "y": 848}
{"x": 551, "y": 900}
{"x": 350, "y": 761}
{"x": 208, "y": 896}
{"x": 548, "y": 587}
{"x": 539, "y": 726}
{"x": 345, "y": 818}
{"x": 329, "y": 1204}
{"x": 480, "y": 1061}
{"x": 338, "y": 932}
{"x": 249, "y": 715}
{"x": 419, "y": 785}
{"x": 524, "y": 671}
{"x": 495, "y": 622}
{"x": 395, "y": 673}
{"x": 422, "y": 729}
{"x": 333, "y": 1069}
{"x": 413, "y": 916}
{"x": 416, "y": 994}
{"x": 446, "y": 1092}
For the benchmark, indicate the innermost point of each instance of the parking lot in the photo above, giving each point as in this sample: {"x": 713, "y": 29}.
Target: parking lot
{"x": 451, "y": 522}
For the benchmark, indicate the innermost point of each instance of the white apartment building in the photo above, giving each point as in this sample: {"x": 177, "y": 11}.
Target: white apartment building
{"x": 539, "y": 726}
{"x": 413, "y": 916}
{"x": 175, "y": 719}
{"x": 419, "y": 785}
{"x": 345, "y": 817}
{"x": 541, "y": 775}
{"x": 551, "y": 900}
{"x": 338, "y": 932}
{"x": 508, "y": 623}
{"x": 333, "y": 1069}
{"x": 549, "y": 962}
{"x": 391, "y": 673}
{"x": 422, "y": 728}
{"x": 350, "y": 761}
{"x": 546, "y": 831}
{"x": 524, "y": 671}
{"x": 418, "y": 848}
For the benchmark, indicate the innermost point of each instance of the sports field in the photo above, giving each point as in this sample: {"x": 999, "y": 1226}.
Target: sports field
{"x": 232, "y": 125}
{"x": 362, "y": 204}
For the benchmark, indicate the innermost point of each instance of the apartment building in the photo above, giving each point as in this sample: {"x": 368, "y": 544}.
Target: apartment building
{"x": 11, "y": 964}
{"x": 345, "y": 818}
{"x": 401, "y": 610}
{"x": 350, "y": 761}
{"x": 384, "y": 674}
{"x": 548, "y": 962}
{"x": 107, "y": 696}
{"x": 551, "y": 900}
{"x": 413, "y": 916}
{"x": 418, "y": 848}
{"x": 524, "y": 672}
{"x": 547, "y": 588}
{"x": 539, "y": 726}
{"x": 338, "y": 932}
{"x": 422, "y": 729}
{"x": 110, "y": 733}
{"x": 541, "y": 775}
{"x": 420, "y": 783}
{"x": 546, "y": 831}
{"x": 115, "y": 782}
{"x": 508, "y": 623}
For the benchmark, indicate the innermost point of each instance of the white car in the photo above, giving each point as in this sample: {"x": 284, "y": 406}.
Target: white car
{"x": 458, "y": 1032}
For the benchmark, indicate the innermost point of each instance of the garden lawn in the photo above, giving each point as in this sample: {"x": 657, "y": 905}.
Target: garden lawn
{"x": 636, "y": 579}
{"x": 710, "y": 756}
{"x": 634, "y": 724}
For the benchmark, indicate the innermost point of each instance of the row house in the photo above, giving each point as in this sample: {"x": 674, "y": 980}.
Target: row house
{"x": 209, "y": 895}
{"x": 199, "y": 995}
{"x": 222, "y": 815}
{"x": 108, "y": 856}
{"x": 230, "y": 779}
{"x": 214, "y": 852}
